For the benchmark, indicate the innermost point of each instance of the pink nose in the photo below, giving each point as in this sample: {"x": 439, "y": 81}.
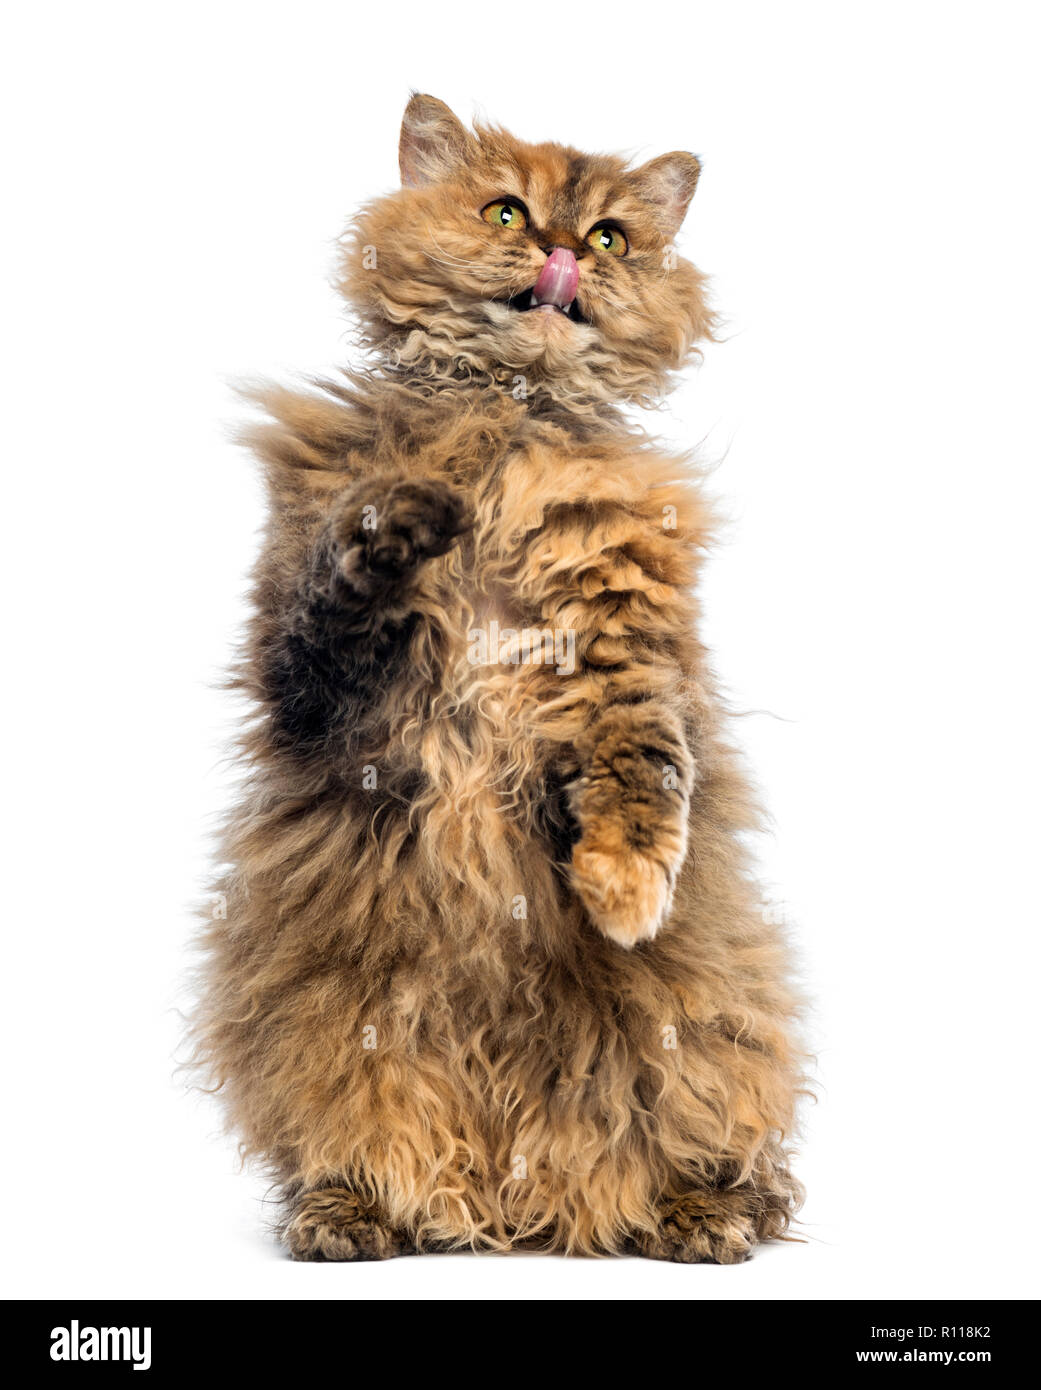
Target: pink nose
{"x": 559, "y": 279}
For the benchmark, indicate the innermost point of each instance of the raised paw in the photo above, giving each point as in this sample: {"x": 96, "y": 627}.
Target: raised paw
{"x": 333, "y": 1223}
{"x": 632, "y": 804}
{"x": 626, "y": 893}
{"x": 387, "y": 529}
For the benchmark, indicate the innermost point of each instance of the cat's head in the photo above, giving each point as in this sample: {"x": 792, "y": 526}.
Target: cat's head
{"x": 549, "y": 270}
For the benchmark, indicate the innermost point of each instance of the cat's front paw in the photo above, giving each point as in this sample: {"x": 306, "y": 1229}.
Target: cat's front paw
{"x": 631, "y": 804}
{"x": 626, "y": 893}
{"x": 386, "y": 531}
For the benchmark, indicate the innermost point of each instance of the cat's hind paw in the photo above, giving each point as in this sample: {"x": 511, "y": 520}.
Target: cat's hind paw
{"x": 721, "y": 1226}
{"x": 703, "y": 1228}
{"x": 334, "y": 1224}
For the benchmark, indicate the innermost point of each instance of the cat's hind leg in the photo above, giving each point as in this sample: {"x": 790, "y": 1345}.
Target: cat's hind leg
{"x": 336, "y": 1224}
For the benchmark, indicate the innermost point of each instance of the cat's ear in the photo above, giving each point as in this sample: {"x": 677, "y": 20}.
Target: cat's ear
{"x": 668, "y": 184}
{"x": 434, "y": 143}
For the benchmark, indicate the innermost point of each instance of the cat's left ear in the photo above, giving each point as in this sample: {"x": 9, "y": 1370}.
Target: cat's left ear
{"x": 668, "y": 184}
{"x": 434, "y": 142}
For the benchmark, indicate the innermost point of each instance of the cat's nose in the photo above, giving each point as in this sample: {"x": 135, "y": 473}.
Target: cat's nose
{"x": 558, "y": 281}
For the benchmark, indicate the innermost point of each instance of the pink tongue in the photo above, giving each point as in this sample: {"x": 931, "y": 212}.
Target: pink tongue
{"x": 559, "y": 279}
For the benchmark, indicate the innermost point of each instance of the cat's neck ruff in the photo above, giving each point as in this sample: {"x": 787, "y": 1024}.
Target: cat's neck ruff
{"x": 432, "y": 364}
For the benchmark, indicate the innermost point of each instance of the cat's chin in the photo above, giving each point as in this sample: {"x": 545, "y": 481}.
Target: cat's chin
{"x": 520, "y": 338}
{"x": 548, "y": 343}
{"x": 548, "y": 320}
{"x": 546, "y": 325}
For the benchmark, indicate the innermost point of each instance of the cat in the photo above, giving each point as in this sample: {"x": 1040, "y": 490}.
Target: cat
{"x": 491, "y": 971}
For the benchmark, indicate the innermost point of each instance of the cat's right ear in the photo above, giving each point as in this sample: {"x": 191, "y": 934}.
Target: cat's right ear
{"x": 434, "y": 143}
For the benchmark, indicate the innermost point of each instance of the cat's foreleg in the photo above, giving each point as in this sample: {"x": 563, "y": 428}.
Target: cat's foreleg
{"x": 381, "y": 531}
{"x": 631, "y": 801}
{"x": 349, "y": 618}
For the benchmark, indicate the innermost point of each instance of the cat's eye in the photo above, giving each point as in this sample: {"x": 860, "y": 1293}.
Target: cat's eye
{"x": 609, "y": 239}
{"x": 505, "y": 214}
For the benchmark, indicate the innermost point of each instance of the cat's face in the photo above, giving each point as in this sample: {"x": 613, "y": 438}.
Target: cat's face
{"x": 549, "y": 269}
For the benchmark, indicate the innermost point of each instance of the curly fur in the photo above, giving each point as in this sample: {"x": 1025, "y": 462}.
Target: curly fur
{"x": 493, "y": 971}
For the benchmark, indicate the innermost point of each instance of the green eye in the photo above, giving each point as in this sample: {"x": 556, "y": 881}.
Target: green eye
{"x": 504, "y": 214}
{"x": 609, "y": 239}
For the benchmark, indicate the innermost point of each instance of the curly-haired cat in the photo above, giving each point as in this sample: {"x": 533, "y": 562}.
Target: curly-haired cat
{"x": 492, "y": 971}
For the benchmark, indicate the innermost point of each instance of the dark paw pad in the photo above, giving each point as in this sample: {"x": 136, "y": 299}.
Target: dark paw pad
{"x": 389, "y": 533}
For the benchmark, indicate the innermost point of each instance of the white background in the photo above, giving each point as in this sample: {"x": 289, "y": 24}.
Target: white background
{"x": 174, "y": 179}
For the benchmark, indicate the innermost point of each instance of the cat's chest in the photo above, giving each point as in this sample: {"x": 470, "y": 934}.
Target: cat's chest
{"x": 514, "y": 596}
{"x": 505, "y": 635}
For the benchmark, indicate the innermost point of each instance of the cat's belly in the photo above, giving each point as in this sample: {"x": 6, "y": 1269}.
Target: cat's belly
{"x": 479, "y": 752}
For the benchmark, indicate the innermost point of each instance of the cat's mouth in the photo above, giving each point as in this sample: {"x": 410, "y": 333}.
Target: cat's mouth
{"x": 527, "y": 302}
{"x": 556, "y": 289}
